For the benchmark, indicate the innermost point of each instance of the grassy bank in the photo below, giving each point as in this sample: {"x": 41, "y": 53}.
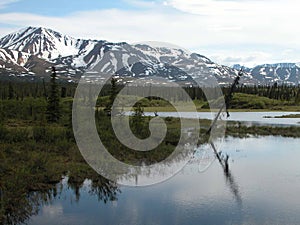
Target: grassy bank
{"x": 35, "y": 154}
{"x": 239, "y": 130}
{"x": 240, "y": 103}
{"x": 288, "y": 116}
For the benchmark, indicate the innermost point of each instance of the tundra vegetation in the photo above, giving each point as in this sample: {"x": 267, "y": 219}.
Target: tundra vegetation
{"x": 37, "y": 146}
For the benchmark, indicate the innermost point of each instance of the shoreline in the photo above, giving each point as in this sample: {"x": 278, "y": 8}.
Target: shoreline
{"x": 171, "y": 109}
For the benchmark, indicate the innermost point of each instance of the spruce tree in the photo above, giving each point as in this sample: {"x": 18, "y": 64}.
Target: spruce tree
{"x": 137, "y": 119}
{"x": 11, "y": 92}
{"x": 112, "y": 96}
{"x": 53, "y": 109}
{"x": 297, "y": 98}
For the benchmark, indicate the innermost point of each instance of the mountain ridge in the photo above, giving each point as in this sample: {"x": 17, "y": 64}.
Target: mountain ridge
{"x": 31, "y": 51}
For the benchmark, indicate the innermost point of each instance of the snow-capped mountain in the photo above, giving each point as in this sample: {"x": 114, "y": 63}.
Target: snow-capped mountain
{"x": 46, "y": 43}
{"x": 288, "y": 73}
{"x": 13, "y": 60}
{"x": 281, "y": 73}
{"x": 31, "y": 52}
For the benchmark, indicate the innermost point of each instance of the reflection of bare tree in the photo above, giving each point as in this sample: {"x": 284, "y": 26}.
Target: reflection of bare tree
{"x": 234, "y": 188}
{"x": 211, "y": 130}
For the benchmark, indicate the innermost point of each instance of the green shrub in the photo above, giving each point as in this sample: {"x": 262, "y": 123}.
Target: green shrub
{"x": 14, "y": 135}
{"x": 39, "y": 133}
{"x": 49, "y": 134}
{"x": 3, "y": 132}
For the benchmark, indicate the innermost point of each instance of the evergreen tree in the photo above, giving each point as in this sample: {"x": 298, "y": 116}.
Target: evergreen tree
{"x": 10, "y": 91}
{"x": 53, "y": 109}
{"x": 137, "y": 119}
{"x": 297, "y": 98}
{"x": 63, "y": 92}
{"x": 112, "y": 96}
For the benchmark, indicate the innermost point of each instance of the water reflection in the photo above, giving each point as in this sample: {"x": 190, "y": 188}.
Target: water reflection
{"x": 18, "y": 203}
{"x": 230, "y": 181}
{"x": 250, "y": 118}
{"x": 261, "y": 186}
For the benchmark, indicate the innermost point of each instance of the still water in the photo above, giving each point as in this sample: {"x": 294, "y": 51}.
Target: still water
{"x": 251, "y": 118}
{"x": 262, "y": 187}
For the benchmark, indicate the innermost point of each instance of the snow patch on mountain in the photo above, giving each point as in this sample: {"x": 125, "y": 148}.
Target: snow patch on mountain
{"x": 45, "y": 43}
{"x": 13, "y": 56}
{"x": 36, "y": 50}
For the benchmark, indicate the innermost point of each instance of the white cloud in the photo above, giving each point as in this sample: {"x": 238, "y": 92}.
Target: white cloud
{"x": 206, "y": 7}
{"x": 4, "y": 3}
{"x": 249, "y": 59}
{"x": 195, "y": 25}
{"x": 232, "y": 8}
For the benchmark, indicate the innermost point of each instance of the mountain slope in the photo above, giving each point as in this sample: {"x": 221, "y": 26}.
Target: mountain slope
{"x": 33, "y": 50}
{"x": 46, "y": 43}
{"x": 288, "y": 73}
{"x": 11, "y": 60}
{"x": 281, "y": 73}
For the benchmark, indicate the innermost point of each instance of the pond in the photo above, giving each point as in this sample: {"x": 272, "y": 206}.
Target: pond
{"x": 251, "y": 118}
{"x": 261, "y": 187}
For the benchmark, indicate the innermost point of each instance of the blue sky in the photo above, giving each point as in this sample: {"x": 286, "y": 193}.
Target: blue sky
{"x": 248, "y": 32}
{"x": 59, "y": 7}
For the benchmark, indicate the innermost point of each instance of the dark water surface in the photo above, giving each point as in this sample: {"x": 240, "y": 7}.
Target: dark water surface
{"x": 262, "y": 187}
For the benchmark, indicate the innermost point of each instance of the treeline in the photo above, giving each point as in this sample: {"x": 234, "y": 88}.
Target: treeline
{"x": 277, "y": 92}
{"x": 21, "y": 90}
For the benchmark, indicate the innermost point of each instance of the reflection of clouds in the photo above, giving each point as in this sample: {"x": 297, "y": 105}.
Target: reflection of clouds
{"x": 196, "y": 190}
{"x": 86, "y": 185}
{"x": 254, "y": 145}
{"x": 114, "y": 204}
{"x": 269, "y": 187}
{"x": 130, "y": 213}
{"x": 268, "y": 173}
{"x": 53, "y": 210}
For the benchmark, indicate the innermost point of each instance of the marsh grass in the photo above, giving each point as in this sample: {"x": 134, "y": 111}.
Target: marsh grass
{"x": 34, "y": 155}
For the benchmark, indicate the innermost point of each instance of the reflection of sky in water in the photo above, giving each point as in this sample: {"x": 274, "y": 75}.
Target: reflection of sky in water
{"x": 266, "y": 170}
{"x": 52, "y": 211}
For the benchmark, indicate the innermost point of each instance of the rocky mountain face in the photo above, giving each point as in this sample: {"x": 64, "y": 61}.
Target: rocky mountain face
{"x": 31, "y": 52}
{"x": 280, "y": 73}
